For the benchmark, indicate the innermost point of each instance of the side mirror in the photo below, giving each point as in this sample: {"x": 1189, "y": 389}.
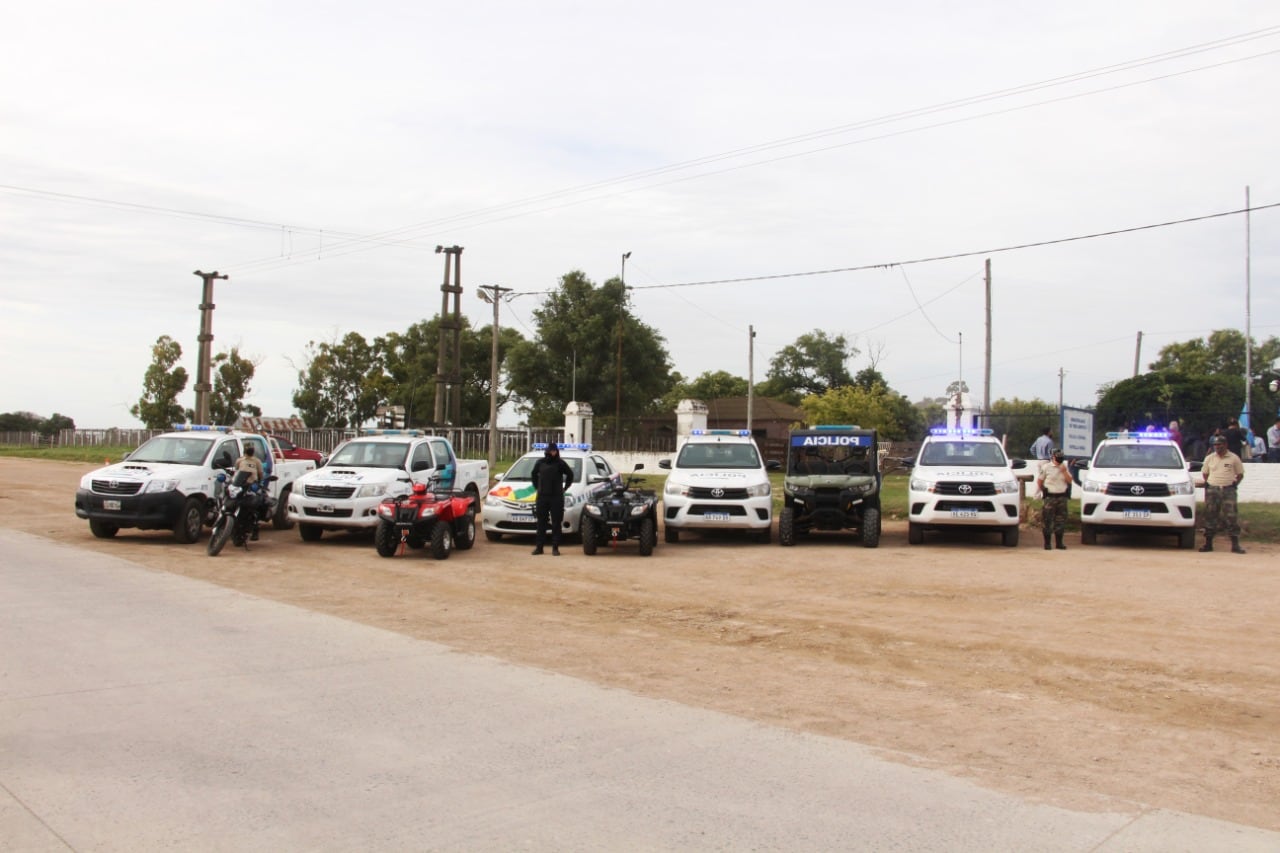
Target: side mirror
{"x": 639, "y": 467}
{"x": 664, "y": 464}
{"x": 1195, "y": 466}
{"x": 1082, "y": 465}
{"x": 421, "y": 465}
{"x": 772, "y": 465}
{"x": 1018, "y": 463}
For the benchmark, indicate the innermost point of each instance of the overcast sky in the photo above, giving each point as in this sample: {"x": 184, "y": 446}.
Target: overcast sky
{"x": 317, "y": 152}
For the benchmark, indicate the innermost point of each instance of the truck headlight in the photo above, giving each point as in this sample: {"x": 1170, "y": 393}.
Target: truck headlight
{"x": 372, "y": 490}
{"x": 675, "y": 489}
{"x": 1092, "y": 485}
{"x": 1183, "y": 488}
{"x": 918, "y": 485}
{"x": 1006, "y": 487}
{"x": 592, "y": 509}
{"x": 160, "y": 486}
{"x": 759, "y": 490}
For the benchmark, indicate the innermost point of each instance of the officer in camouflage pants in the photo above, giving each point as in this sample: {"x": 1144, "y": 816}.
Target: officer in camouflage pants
{"x": 1054, "y": 482}
{"x": 1222, "y": 471}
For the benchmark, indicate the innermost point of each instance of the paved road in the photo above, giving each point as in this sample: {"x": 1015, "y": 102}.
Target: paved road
{"x": 141, "y": 710}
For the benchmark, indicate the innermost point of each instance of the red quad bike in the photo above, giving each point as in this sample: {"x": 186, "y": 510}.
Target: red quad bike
{"x": 446, "y": 520}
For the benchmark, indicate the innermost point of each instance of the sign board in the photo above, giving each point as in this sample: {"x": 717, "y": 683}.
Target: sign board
{"x": 1077, "y": 432}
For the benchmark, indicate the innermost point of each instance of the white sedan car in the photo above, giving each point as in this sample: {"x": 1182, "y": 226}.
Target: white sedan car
{"x": 509, "y": 506}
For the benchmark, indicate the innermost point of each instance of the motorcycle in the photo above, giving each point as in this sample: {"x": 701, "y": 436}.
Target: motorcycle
{"x": 444, "y": 519}
{"x": 239, "y": 507}
{"x": 621, "y": 513}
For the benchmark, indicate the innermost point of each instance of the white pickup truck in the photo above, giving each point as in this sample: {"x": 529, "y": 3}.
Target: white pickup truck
{"x": 381, "y": 463}
{"x": 168, "y": 482}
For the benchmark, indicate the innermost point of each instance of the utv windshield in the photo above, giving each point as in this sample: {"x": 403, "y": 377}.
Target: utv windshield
{"x": 172, "y": 450}
{"x": 1139, "y": 456}
{"x": 840, "y": 461}
{"x": 727, "y": 455}
{"x": 960, "y": 452}
{"x": 370, "y": 454}
{"x": 523, "y": 469}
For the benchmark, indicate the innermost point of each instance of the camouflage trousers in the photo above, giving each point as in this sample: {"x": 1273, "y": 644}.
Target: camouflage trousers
{"x": 1220, "y": 511}
{"x": 1054, "y": 514}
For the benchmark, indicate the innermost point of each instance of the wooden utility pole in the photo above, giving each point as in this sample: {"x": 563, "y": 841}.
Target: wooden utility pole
{"x": 449, "y": 357}
{"x": 204, "y": 358}
{"x": 751, "y": 372}
{"x": 1137, "y": 354}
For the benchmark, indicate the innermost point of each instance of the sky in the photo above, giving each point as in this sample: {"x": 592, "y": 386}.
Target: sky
{"x": 837, "y": 166}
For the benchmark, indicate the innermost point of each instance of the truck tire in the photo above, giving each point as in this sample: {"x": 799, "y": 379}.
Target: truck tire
{"x": 441, "y": 540}
{"x": 870, "y": 527}
{"x": 648, "y": 536}
{"x": 915, "y": 534}
{"x": 1089, "y": 534}
{"x": 474, "y": 494}
{"x": 493, "y": 536}
{"x": 310, "y": 532}
{"x": 1009, "y": 536}
{"x": 588, "y": 531}
{"x": 280, "y": 519}
{"x": 190, "y": 521}
{"x": 670, "y": 534}
{"x": 466, "y": 534}
{"x": 787, "y": 527}
{"x": 103, "y": 529}
{"x": 1187, "y": 538}
{"x": 387, "y": 539}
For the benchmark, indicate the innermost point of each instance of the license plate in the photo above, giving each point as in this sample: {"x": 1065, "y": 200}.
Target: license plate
{"x": 1137, "y": 513}
{"x": 112, "y": 505}
{"x": 522, "y": 519}
{"x": 715, "y": 516}
{"x": 326, "y": 508}
{"x": 964, "y": 513}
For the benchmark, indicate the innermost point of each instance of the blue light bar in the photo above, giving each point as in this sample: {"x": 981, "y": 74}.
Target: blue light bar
{"x": 200, "y": 428}
{"x": 961, "y": 431}
{"x": 542, "y": 445}
{"x": 837, "y": 426}
{"x": 410, "y": 432}
{"x": 721, "y": 432}
{"x": 1163, "y": 436}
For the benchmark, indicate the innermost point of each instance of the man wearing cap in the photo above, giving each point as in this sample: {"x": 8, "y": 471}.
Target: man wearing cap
{"x": 1054, "y": 482}
{"x": 1222, "y": 471}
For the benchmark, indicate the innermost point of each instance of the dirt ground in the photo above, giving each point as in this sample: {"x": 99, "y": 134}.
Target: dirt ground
{"x": 1129, "y": 671}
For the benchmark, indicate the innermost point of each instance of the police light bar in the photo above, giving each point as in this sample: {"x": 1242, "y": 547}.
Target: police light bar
{"x": 1164, "y": 436}
{"x": 542, "y": 445}
{"x": 721, "y": 432}
{"x": 200, "y": 428}
{"x": 837, "y": 426}
{"x": 960, "y": 431}
{"x": 410, "y": 432}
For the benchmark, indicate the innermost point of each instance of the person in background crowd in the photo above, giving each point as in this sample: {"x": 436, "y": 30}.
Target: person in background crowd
{"x": 1042, "y": 447}
{"x": 1259, "y": 450}
{"x": 1273, "y": 442}
{"x": 1222, "y": 471}
{"x": 1235, "y": 438}
{"x": 1175, "y": 433}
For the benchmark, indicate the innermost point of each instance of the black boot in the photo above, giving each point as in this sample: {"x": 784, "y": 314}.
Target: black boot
{"x": 1208, "y": 544}
{"x": 537, "y": 550}
{"x": 1061, "y": 545}
{"x": 1235, "y": 545}
{"x": 1047, "y": 545}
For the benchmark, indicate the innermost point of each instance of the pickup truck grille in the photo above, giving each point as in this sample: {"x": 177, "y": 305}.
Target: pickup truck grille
{"x": 965, "y": 489}
{"x": 1144, "y": 490}
{"x": 116, "y": 487}
{"x": 316, "y": 491}
{"x": 703, "y": 493}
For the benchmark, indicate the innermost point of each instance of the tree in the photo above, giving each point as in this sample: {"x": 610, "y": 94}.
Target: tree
{"x": 161, "y": 384}
{"x": 1022, "y": 421}
{"x": 19, "y": 422}
{"x": 343, "y": 382}
{"x": 814, "y": 364}
{"x": 232, "y": 375}
{"x": 709, "y": 385}
{"x": 577, "y": 347}
{"x": 54, "y": 423}
{"x": 869, "y": 408}
{"x": 1221, "y": 353}
{"x": 1199, "y": 402}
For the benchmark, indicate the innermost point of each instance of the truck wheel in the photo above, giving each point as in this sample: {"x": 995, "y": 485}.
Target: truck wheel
{"x": 219, "y": 535}
{"x": 386, "y": 540}
{"x": 310, "y": 532}
{"x": 105, "y": 529}
{"x": 441, "y": 540}
{"x": 1009, "y": 537}
{"x": 1187, "y": 538}
{"x": 493, "y": 536}
{"x": 915, "y": 534}
{"x": 190, "y": 521}
{"x": 280, "y": 520}
{"x": 787, "y": 526}
{"x": 670, "y": 534}
{"x": 870, "y": 527}
{"x": 648, "y": 536}
{"x": 1089, "y": 535}
{"x": 588, "y": 531}
{"x": 466, "y": 535}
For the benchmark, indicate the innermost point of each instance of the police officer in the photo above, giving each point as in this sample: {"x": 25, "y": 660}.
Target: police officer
{"x": 552, "y": 477}
{"x": 253, "y": 465}
{"x": 1054, "y": 482}
{"x": 1222, "y": 471}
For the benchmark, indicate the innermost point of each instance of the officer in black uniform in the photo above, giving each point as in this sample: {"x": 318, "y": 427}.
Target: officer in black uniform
{"x": 552, "y": 477}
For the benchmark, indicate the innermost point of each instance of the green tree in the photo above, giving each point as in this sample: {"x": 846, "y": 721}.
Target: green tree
{"x": 55, "y": 422}
{"x": 343, "y": 382}
{"x": 161, "y": 384}
{"x": 814, "y": 364}
{"x": 577, "y": 345}
{"x": 20, "y": 422}
{"x": 1199, "y": 402}
{"x": 1220, "y": 353}
{"x": 232, "y": 376}
{"x": 709, "y": 385}
{"x": 1022, "y": 421}
{"x": 869, "y": 408}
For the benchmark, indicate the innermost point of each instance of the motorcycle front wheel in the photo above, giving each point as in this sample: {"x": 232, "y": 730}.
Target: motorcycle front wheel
{"x": 221, "y": 533}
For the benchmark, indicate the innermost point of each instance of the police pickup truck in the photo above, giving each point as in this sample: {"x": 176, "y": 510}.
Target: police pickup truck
{"x": 718, "y": 480}
{"x": 962, "y": 478}
{"x": 1138, "y": 482}
{"x": 168, "y": 482}
{"x": 380, "y": 463}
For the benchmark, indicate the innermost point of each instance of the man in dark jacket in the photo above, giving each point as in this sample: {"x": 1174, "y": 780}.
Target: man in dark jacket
{"x": 552, "y": 477}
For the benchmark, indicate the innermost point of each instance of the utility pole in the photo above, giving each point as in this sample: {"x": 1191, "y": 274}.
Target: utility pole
{"x": 496, "y": 298}
{"x": 1061, "y": 374}
{"x": 1137, "y": 354}
{"x": 204, "y": 359}
{"x": 751, "y": 374}
{"x": 449, "y": 357}
{"x": 622, "y": 304}
{"x": 986, "y": 381}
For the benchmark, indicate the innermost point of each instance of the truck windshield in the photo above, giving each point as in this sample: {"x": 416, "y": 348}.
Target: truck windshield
{"x": 1139, "y": 456}
{"x": 370, "y": 454}
{"x": 173, "y": 450}
{"x": 961, "y": 452}
{"x": 727, "y": 455}
{"x": 840, "y": 461}
{"x": 523, "y": 469}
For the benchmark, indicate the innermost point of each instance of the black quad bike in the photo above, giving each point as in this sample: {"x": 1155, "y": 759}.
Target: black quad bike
{"x": 238, "y": 508}
{"x": 428, "y": 515}
{"x": 622, "y": 512}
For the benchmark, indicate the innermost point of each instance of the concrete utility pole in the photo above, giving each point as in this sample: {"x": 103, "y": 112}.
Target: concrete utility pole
{"x": 449, "y": 358}
{"x": 204, "y": 359}
{"x": 497, "y": 295}
{"x": 986, "y": 380}
{"x": 1137, "y": 354}
{"x": 622, "y": 304}
{"x": 751, "y": 372}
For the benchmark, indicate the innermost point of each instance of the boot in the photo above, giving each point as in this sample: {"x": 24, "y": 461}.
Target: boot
{"x": 537, "y": 550}
{"x": 1047, "y": 545}
{"x": 1235, "y": 545}
{"x": 1061, "y": 545}
{"x": 1208, "y": 544}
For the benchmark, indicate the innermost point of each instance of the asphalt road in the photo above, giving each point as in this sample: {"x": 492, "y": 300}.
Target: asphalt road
{"x": 141, "y": 710}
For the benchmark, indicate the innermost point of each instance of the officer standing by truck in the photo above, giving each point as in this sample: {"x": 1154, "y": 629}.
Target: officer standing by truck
{"x": 1222, "y": 471}
{"x": 1054, "y": 482}
{"x": 552, "y": 477}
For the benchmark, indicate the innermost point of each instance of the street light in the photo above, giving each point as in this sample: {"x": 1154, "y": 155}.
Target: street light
{"x": 622, "y": 301}
{"x": 497, "y": 295}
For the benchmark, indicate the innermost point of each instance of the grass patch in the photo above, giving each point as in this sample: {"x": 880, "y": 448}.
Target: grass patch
{"x": 81, "y": 453}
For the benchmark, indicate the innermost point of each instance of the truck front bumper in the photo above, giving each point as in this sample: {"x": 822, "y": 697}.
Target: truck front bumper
{"x": 154, "y": 511}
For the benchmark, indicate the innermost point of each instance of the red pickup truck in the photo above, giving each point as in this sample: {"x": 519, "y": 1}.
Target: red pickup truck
{"x": 293, "y": 451}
